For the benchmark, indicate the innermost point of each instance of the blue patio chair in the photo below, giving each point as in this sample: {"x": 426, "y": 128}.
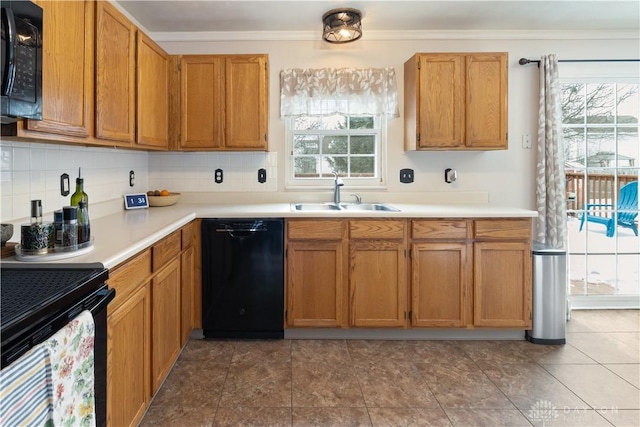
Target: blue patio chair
{"x": 625, "y": 217}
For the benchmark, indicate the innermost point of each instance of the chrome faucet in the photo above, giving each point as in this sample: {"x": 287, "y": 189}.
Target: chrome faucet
{"x": 337, "y": 183}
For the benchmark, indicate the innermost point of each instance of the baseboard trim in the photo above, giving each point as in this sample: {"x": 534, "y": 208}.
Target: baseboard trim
{"x": 405, "y": 334}
{"x": 604, "y": 302}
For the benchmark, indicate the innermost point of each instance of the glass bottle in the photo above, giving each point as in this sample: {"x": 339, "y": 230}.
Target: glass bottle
{"x": 79, "y": 195}
{"x": 84, "y": 228}
{"x": 57, "y": 225}
{"x": 70, "y": 228}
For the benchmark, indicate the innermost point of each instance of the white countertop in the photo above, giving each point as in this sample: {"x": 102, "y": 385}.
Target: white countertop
{"x": 121, "y": 235}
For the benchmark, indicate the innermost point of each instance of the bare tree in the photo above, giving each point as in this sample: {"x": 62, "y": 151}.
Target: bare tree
{"x": 593, "y": 105}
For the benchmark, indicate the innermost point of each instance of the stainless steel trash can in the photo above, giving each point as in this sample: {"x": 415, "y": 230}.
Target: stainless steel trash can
{"x": 549, "y": 295}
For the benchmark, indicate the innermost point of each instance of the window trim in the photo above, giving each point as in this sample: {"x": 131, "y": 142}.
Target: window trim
{"x": 324, "y": 184}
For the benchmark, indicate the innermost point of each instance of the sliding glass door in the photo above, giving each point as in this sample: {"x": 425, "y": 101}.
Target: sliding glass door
{"x": 602, "y": 153}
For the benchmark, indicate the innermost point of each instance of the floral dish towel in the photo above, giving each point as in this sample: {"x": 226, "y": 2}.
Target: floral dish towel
{"x": 72, "y": 370}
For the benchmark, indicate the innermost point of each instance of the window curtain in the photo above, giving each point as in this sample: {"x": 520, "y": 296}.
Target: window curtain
{"x": 329, "y": 91}
{"x": 550, "y": 179}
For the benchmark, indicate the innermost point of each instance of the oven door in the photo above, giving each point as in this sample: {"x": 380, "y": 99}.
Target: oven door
{"x": 96, "y": 303}
{"x": 99, "y": 312}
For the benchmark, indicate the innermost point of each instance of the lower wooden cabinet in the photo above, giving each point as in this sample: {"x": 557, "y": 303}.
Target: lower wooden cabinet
{"x": 441, "y": 284}
{"x": 166, "y": 333}
{"x": 378, "y": 273}
{"x": 463, "y": 273}
{"x": 502, "y": 284}
{"x": 377, "y": 284}
{"x": 129, "y": 359}
{"x": 148, "y": 322}
{"x": 187, "y": 286}
{"x": 316, "y": 273}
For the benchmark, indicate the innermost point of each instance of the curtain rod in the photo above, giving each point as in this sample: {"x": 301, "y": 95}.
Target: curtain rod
{"x": 525, "y": 61}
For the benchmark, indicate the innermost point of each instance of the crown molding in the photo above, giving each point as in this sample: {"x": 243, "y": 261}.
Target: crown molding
{"x": 219, "y": 36}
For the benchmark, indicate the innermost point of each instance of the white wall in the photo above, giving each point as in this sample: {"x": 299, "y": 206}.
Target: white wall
{"x": 31, "y": 170}
{"x": 508, "y": 176}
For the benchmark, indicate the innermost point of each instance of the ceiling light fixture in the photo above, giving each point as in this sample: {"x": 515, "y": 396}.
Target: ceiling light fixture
{"x": 342, "y": 25}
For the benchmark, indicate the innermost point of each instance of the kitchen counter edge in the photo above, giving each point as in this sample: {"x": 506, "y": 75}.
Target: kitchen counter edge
{"x": 119, "y": 236}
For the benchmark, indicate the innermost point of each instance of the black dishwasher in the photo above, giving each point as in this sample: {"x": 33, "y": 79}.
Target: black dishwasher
{"x": 243, "y": 278}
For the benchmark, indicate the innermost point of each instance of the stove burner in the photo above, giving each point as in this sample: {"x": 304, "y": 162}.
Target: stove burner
{"x": 25, "y": 290}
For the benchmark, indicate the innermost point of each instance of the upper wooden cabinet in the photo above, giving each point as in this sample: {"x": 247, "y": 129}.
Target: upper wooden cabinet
{"x": 246, "y": 117}
{"x": 67, "y": 78}
{"x": 104, "y": 82}
{"x": 152, "y": 83}
{"x": 456, "y": 101}
{"x": 201, "y": 102}
{"x": 115, "y": 75}
{"x": 223, "y": 102}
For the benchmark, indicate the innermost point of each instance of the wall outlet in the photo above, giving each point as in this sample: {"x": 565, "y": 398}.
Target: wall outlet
{"x": 526, "y": 141}
{"x": 406, "y": 176}
{"x": 217, "y": 176}
{"x": 65, "y": 187}
{"x": 262, "y": 175}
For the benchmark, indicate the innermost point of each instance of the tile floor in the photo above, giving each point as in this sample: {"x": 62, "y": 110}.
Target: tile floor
{"x": 594, "y": 380}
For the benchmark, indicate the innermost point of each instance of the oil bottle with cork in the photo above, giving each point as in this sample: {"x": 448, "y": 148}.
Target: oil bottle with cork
{"x": 80, "y": 199}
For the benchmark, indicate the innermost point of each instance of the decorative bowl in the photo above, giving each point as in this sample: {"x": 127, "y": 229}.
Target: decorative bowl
{"x": 7, "y": 233}
{"x": 169, "y": 200}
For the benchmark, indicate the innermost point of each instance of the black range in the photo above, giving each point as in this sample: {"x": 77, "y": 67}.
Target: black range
{"x": 37, "y": 300}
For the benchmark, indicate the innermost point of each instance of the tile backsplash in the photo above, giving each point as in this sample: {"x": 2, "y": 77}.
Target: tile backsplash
{"x": 184, "y": 172}
{"x": 32, "y": 171}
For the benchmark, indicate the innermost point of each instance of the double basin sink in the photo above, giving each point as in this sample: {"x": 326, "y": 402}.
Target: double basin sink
{"x": 353, "y": 207}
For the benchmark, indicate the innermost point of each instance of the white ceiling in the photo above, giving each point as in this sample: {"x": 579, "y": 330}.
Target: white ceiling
{"x": 264, "y": 16}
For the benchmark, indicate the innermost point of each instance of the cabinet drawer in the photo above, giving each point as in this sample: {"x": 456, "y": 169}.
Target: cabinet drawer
{"x": 440, "y": 229}
{"x": 385, "y": 229}
{"x": 128, "y": 277}
{"x": 315, "y": 229}
{"x": 503, "y": 229}
{"x": 166, "y": 249}
{"x": 187, "y": 235}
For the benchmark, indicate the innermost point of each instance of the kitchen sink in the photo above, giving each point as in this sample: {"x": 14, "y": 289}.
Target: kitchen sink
{"x": 314, "y": 207}
{"x": 368, "y": 207}
{"x": 323, "y": 207}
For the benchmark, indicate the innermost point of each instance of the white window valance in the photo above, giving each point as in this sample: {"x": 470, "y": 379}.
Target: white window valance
{"x": 328, "y": 91}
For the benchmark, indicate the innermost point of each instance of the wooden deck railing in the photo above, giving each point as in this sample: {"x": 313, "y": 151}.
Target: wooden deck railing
{"x": 600, "y": 188}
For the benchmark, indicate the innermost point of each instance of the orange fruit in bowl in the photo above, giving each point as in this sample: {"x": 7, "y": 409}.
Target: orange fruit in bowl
{"x": 164, "y": 192}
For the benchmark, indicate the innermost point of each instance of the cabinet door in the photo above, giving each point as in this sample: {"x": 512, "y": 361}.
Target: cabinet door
{"x": 502, "y": 284}
{"x": 166, "y": 336}
{"x": 152, "y": 81}
{"x": 440, "y": 284}
{"x": 67, "y": 78}
{"x": 316, "y": 273}
{"x": 128, "y": 360}
{"x": 202, "y": 102}
{"x": 487, "y": 101}
{"x": 246, "y": 103}
{"x": 378, "y": 283}
{"x": 187, "y": 267}
{"x": 115, "y": 76}
{"x": 441, "y": 101}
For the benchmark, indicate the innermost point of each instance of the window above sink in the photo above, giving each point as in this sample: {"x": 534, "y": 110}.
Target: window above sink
{"x": 348, "y": 145}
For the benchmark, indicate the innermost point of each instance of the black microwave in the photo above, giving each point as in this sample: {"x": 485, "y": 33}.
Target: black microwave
{"x": 21, "y": 60}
